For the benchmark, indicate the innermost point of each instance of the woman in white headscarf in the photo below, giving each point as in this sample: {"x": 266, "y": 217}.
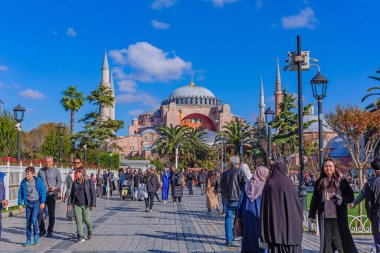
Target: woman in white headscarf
{"x": 249, "y": 210}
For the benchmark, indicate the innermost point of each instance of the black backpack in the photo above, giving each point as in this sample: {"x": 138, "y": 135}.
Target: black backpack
{"x": 178, "y": 179}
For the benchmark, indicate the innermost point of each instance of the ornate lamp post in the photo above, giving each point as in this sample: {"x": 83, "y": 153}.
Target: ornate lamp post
{"x": 61, "y": 130}
{"x": 269, "y": 115}
{"x": 319, "y": 86}
{"x": 18, "y": 113}
{"x": 85, "y": 139}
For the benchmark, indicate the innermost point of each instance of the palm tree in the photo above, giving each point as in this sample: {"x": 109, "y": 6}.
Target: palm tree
{"x": 101, "y": 97}
{"x": 375, "y": 105}
{"x": 72, "y": 100}
{"x": 236, "y": 134}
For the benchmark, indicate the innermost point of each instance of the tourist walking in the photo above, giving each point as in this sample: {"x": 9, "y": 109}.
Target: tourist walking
{"x": 178, "y": 182}
{"x": 281, "y": 220}
{"x": 212, "y": 193}
{"x": 247, "y": 174}
{"x": 202, "y": 180}
{"x": 190, "y": 181}
{"x": 231, "y": 183}
{"x": 51, "y": 177}
{"x": 332, "y": 194}
{"x": 152, "y": 185}
{"x": 3, "y": 200}
{"x": 108, "y": 185}
{"x": 136, "y": 184}
{"x": 99, "y": 184}
{"x": 32, "y": 193}
{"x": 248, "y": 211}
{"x": 69, "y": 180}
{"x": 82, "y": 200}
{"x": 165, "y": 184}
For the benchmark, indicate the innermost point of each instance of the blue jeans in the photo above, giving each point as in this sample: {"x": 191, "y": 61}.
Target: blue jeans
{"x": 165, "y": 193}
{"x": 31, "y": 217}
{"x": 229, "y": 218}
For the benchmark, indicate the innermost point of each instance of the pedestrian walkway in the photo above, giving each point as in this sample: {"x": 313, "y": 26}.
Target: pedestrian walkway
{"x": 123, "y": 226}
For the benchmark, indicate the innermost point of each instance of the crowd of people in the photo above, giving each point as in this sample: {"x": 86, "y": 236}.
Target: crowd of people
{"x": 262, "y": 206}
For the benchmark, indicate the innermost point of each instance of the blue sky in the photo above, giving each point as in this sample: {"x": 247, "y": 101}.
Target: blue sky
{"x": 156, "y": 46}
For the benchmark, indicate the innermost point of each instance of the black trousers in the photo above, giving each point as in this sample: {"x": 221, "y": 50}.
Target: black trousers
{"x": 179, "y": 199}
{"x": 332, "y": 236}
{"x": 150, "y": 200}
{"x": 376, "y": 233}
{"x": 50, "y": 203}
{"x": 156, "y": 194}
{"x": 190, "y": 186}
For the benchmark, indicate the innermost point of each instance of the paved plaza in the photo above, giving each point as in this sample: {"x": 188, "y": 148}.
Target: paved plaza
{"x": 123, "y": 226}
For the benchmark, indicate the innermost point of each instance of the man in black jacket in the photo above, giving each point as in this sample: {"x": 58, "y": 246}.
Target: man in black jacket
{"x": 371, "y": 193}
{"x": 231, "y": 183}
{"x": 190, "y": 179}
{"x": 152, "y": 185}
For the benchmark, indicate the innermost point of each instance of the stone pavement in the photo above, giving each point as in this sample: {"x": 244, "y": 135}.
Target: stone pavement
{"x": 123, "y": 226}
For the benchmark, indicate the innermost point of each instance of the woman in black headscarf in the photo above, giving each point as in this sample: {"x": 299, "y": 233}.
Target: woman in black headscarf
{"x": 281, "y": 214}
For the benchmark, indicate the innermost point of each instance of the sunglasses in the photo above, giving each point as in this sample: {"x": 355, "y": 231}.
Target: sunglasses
{"x": 77, "y": 162}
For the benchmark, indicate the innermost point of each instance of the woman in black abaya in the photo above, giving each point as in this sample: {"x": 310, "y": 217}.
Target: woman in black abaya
{"x": 281, "y": 214}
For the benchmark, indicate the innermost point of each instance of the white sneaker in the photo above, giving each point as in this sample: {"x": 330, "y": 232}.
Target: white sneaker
{"x": 164, "y": 201}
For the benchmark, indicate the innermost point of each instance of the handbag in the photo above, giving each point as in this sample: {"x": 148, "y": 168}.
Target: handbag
{"x": 238, "y": 227}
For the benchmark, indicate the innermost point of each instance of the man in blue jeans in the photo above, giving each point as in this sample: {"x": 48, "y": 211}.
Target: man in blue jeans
{"x": 231, "y": 183}
{"x": 3, "y": 201}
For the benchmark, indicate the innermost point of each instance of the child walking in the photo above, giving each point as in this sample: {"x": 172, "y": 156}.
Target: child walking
{"x": 32, "y": 193}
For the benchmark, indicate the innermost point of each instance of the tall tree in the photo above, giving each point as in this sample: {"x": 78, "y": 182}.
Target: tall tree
{"x": 8, "y": 134}
{"x": 376, "y": 104}
{"x": 72, "y": 101}
{"x": 50, "y": 145}
{"x": 103, "y": 96}
{"x": 359, "y": 130}
{"x": 237, "y": 134}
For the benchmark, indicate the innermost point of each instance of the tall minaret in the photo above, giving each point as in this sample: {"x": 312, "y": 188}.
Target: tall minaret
{"x": 105, "y": 110}
{"x": 278, "y": 93}
{"x": 112, "y": 109}
{"x": 262, "y": 105}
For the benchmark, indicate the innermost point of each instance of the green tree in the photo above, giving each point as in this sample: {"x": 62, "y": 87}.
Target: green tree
{"x": 72, "y": 101}
{"x": 376, "y": 104}
{"x": 50, "y": 146}
{"x": 8, "y": 134}
{"x": 103, "y": 96}
{"x": 237, "y": 134}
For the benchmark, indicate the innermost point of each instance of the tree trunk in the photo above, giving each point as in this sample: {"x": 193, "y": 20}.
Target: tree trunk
{"x": 72, "y": 122}
{"x": 360, "y": 187}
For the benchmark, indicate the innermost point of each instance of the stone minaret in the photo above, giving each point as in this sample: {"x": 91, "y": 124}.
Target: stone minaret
{"x": 262, "y": 105}
{"x": 105, "y": 110}
{"x": 112, "y": 109}
{"x": 278, "y": 93}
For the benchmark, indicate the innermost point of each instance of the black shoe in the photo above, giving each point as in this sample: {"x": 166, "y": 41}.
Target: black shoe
{"x": 89, "y": 235}
{"x": 81, "y": 239}
{"x": 49, "y": 234}
{"x": 42, "y": 233}
{"x": 228, "y": 244}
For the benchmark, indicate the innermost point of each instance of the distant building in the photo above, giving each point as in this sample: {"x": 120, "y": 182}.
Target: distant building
{"x": 107, "y": 112}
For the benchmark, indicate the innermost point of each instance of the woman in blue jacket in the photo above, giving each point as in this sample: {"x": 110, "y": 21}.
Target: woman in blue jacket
{"x": 249, "y": 210}
{"x": 166, "y": 177}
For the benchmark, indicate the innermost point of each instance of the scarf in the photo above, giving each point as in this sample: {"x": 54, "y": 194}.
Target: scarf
{"x": 254, "y": 187}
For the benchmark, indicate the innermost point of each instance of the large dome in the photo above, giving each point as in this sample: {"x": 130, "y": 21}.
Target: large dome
{"x": 192, "y": 95}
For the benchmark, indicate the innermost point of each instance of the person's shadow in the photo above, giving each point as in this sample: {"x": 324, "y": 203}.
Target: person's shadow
{"x": 8, "y": 241}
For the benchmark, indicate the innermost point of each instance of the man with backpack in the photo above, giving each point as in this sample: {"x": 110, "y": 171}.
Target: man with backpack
{"x": 190, "y": 180}
{"x": 371, "y": 193}
{"x": 152, "y": 185}
{"x": 178, "y": 182}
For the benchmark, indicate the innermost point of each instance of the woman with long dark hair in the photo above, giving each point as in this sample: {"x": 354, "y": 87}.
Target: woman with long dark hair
{"x": 332, "y": 194}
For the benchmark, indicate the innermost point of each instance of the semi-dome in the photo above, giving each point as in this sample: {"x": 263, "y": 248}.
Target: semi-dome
{"x": 192, "y": 94}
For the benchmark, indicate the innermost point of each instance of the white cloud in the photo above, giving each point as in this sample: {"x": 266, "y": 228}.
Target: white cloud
{"x": 221, "y": 3}
{"x": 71, "y": 32}
{"x": 135, "y": 113}
{"x": 127, "y": 85}
{"x": 160, "y": 25}
{"x": 259, "y": 4}
{"x": 32, "y": 94}
{"x": 160, "y": 4}
{"x": 305, "y": 19}
{"x": 140, "y": 97}
{"x": 3, "y": 68}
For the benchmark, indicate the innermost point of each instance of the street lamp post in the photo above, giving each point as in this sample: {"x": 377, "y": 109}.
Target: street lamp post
{"x": 18, "y": 113}
{"x": 85, "y": 139}
{"x": 269, "y": 114}
{"x": 61, "y": 130}
{"x": 319, "y": 87}
{"x": 176, "y": 156}
{"x": 241, "y": 130}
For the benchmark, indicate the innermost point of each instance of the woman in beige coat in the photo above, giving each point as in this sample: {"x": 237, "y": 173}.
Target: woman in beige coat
{"x": 212, "y": 192}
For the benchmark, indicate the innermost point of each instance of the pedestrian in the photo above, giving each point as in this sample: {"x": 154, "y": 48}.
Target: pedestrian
{"x": 3, "y": 200}
{"x": 122, "y": 177}
{"x": 248, "y": 211}
{"x": 247, "y": 174}
{"x": 159, "y": 184}
{"x": 172, "y": 171}
{"x": 212, "y": 193}
{"x": 190, "y": 181}
{"x": 99, "y": 184}
{"x": 108, "y": 185}
{"x": 202, "y": 180}
{"x": 371, "y": 194}
{"x": 136, "y": 184}
{"x": 82, "y": 200}
{"x": 51, "y": 177}
{"x": 165, "y": 184}
{"x": 231, "y": 183}
{"x": 281, "y": 220}
{"x": 69, "y": 183}
{"x": 152, "y": 185}
{"x": 178, "y": 182}
{"x": 332, "y": 194}
{"x": 32, "y": 193}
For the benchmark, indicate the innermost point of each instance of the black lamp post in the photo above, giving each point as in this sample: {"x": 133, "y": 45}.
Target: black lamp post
{"x": 18, "y": 113}
{"x": 85, "y": 139}
{"x": 241, "y": 130}
{"x": 61, "y": 130}
{"x": 224, "y": 152}
{"x": 319, "y": 86}
{"x": 269, "y": 115}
